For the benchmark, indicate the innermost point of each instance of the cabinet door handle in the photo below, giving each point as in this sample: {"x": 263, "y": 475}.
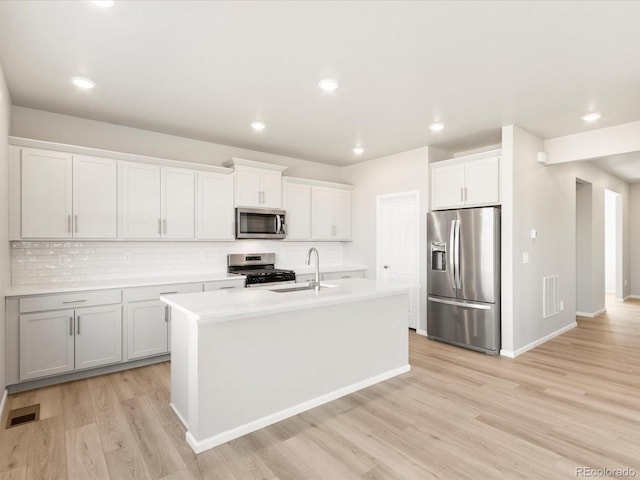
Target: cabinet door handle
{"x": 461, "y": 195}
{"x": 164, "y": 225}
{"x": 75, "y": 223}
{"x": 166, "y": 313}
{"x": 159, "y": 226}
{"x": 465, "y": 194}
{"x": 71, "y": 326}
{"x": 168, "y": 293}
{"x": 78, "y": 317}
{"x": 75, "y": 301}
{"x": 225, "y": 288}
{"x": 69, "y": 223}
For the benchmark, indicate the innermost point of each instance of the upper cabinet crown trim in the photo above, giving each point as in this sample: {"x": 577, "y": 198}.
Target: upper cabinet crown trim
{"x": 466, "y": 158}
{"x": 251, "y": 163}
{"x": 97, "y": 152}
{"x": 317, "y": 183}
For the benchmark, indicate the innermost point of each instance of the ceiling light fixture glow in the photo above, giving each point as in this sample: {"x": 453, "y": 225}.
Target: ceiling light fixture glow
{"x": 83, "y": 83}
{"x": 436, "y": 127}
{"x": 358, "y": 150}
{"x": 258, "y": 126}
{"x": 328, "y": 84}
{"x": 591, "y": 117}
{"x": 103, "y": 3}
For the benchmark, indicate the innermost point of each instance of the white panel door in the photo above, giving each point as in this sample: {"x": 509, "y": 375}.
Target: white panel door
{"x": 147, "y": 328}
{"x": 297, "y": 203}
{"x": 271, "y": 187}
{"x": 248, "y": 186}
{"x": 447, "y": 186}
{"x": 140, "y": 200}
{"x": 341, "y": 206}
{"x": 178, "y": 203}
{"x": 398, "y": 244}
{"x": 321, "y": 213}
{"x": 95, "y": 203}
{"x": 214, "y": 206}
{"x": 46, "y": 191}
{"x": 98, "y": 336}
{"x": 482, "y": 181}
{"x": 46, "y": 344}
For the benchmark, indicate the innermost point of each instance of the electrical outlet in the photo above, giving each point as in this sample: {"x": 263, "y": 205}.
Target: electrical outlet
{"x": 525, "y": 257}
{"x": 625, "y": 282}
{"x": 561, "y": 306}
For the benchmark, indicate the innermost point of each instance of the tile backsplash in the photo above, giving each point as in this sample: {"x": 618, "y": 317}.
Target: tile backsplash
{"x": 72, "y": 263}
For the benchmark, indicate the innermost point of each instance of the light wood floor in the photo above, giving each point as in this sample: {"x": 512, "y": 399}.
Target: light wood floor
{"x": 573, "y": 402}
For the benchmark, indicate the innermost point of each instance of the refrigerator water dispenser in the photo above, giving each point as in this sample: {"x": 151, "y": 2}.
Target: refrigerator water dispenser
{"x": 438, "y": 256}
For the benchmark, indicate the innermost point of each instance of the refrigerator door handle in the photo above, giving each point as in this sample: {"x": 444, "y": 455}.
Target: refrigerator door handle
{"x": 452, "y": 255}
{"x": 459, "y": 304}
{"x": 456, "y": 254}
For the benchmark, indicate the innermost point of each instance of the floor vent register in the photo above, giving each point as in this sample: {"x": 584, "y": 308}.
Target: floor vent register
{"x": 23, "y": 415}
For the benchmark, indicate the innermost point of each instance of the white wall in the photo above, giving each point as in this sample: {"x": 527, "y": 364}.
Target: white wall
{"x": 397, "y": 173}
{"x": 40, "y": 125}
{"x": 532, "y": 199}
{"x": 634, "y": 238}
{"x": 609, "y": 241}
{"x": 5, "y": 115}
{"x": 597, "y": 143}
{"x": 584, "y": 247}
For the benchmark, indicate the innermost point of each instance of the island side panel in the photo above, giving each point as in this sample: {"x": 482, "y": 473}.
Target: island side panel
{"x": 252, "y": 370}
{"x": 180, "y": 365}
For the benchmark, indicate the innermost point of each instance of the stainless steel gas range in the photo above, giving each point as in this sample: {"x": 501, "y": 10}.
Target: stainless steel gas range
{"x": 259, "y": 268}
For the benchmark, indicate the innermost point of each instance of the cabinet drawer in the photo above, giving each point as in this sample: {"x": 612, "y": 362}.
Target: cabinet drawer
{"x": 224, "y": 284}
{"x": 139, "y": 294}
{"x": 38, "y": 303}
{"x": 338, "y": 275}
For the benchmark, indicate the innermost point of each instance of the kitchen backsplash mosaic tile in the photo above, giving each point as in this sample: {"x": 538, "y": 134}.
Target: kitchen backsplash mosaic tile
{"x": 67, "y": 264}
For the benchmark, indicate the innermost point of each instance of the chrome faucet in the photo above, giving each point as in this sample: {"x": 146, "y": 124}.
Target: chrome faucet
{"x": 315, "y": 283}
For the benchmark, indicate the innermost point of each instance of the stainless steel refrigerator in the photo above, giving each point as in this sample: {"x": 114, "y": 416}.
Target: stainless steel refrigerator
{"x": 463, "y": 278}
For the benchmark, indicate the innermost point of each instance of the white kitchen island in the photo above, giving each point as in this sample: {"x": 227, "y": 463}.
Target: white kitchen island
{"x": 246, "y": 358}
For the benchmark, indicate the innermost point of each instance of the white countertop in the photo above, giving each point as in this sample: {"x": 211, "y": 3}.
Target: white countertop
{"x": 160, "y": 280}
{"x": 222, "y": 306}
{"x": 122, "y": 283}
{"x": 304, "y": 269}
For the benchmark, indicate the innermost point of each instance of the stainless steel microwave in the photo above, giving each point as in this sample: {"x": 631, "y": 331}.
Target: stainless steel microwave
{"x": 260, "y": 223}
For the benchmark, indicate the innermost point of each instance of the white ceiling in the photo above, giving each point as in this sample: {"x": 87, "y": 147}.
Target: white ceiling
{"x": 625, "y": 166}
{"x": 206, "y": 70}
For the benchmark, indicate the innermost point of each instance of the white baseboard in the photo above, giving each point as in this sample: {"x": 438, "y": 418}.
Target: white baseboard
{"x": 540, "y": 341}
{"x": 199, "y": 446}
{"x": 180, "y": 417}
{"x": 421, "y": 332}
{"x": 591, "y": 315}
{"x": 3, "y": 402}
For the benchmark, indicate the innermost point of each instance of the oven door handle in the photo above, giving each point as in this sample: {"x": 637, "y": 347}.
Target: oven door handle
{"x": 278, "y": 224}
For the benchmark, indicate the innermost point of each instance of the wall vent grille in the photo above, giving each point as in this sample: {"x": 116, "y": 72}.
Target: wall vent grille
{"x": 550, "y": 296}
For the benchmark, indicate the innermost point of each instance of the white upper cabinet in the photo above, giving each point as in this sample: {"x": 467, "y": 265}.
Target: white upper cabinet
{"x": 156, "y": 202}
{"x": 331, "y": 213}
{"x": 466, "y": 181}
{"x": 139, "y": 201}
{"x": 214, "y": 206}
{"x": 46, "y": 194}
{"x": 95, "y": 203}
{"x": 257, "y": 184}
{"x": 178, "y": 203}
{"x": 64, "y": 195}
{"x": 297, "y": 203}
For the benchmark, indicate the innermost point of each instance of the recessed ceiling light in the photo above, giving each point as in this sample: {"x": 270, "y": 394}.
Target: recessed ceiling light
{"x": 103, "y": 3}
{"x": 328, "y": 84}
{"x": 83, "y": 83}
{"x": 358, "y": 150}
{"x": 591, "y": 117}
{"x": 436, "y": 127}
{"x": 258, "y": 126}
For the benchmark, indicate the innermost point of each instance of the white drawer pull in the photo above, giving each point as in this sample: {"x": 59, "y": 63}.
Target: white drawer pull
{"x": 75, "y": 301}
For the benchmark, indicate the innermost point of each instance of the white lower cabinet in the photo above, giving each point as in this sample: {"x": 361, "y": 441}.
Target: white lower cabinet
{"x": 148, "y": 329}
{"x": 67, "y": 340}
{"x": 149, "y": 319}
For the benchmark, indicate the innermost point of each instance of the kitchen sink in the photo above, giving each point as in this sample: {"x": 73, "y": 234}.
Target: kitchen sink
{"x": 301, "y": 288}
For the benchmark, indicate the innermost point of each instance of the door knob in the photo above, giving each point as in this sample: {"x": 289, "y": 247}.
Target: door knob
{"x": 386, "y": 267}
